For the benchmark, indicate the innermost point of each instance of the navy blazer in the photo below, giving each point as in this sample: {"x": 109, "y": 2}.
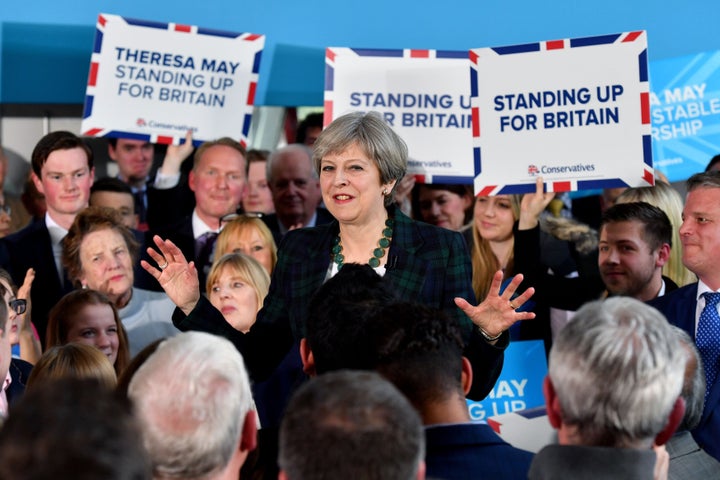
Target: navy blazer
{"x": 426, "y": 264}
{"x": 472, "y": 450}
{"x": 31, "y": 247}
{"x": 679, "y": 308}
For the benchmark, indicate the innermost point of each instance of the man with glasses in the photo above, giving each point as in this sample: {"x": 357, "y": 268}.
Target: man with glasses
{"x": 13, "y": 371}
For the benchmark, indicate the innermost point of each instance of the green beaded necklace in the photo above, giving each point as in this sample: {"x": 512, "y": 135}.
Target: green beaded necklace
{"x": 378, "y": 253}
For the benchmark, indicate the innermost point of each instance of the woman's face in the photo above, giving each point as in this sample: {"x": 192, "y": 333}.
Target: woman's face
{"x": 13, "y": 319}
{"x": 443, "y": 208}
{"x": 251, "y": 243}
{"x": 351, "y": 187}
{"x": 494, "y": 218}
{"x": 258, "y": 197}
{"x": 106, "y": 264}
{"x": 95, "y": 325}
{"x": 235, "y": 298}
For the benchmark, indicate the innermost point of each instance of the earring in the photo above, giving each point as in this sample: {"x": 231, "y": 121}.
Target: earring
{"x": 385, "y": 192}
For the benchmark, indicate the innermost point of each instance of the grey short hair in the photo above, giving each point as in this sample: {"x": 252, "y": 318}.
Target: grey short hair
{"x": 693, "y": 391}
{"x": 192, "y": 396}
{"x": 350, "y": 424}
{"x": 374, "y": 137}
{"x": 709, "y": 179}
{"x": 293, "y": 147}
{"x": 617, "y": 370}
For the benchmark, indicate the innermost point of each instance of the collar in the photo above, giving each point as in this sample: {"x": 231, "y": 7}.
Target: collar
{"x": 702, "y": 288}
{"x": 57, "y": 233}
{"x": 199, "y": 227}
{"x": 311, "y": 223}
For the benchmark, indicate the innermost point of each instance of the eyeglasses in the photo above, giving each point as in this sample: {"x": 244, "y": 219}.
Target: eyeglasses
{"x": 19, "y": 305}
{"x": 233, "y": 216}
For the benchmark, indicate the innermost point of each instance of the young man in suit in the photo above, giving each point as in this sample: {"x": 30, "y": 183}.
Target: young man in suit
{"x": 63, "y": 171}
{"x": 694, "y": 307}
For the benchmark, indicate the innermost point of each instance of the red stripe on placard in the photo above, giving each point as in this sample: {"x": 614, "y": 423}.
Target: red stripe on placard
{"x": 645, "y": 107}
{"x": 330, "y": 54}
{"x": 495, "y": 425}
{"x": 101, "y": 20}
{"x": 555, "y": 44}
{"x": 183, "y": 28}
{"x": 162, "y": 139}
{"x": 252, "y": 37}
{"x": 649, "y": 177}
{"x": 92, "y": 78}
{"x": 475, "y": 121}
{"x": 243, "y": 143}
{"x": 251, "y": 93}
{"x": 487, "y": 190}
{"x": 328, "y": 113}
{"x": 419, "y": 53}
{"x": 474, "y": 57}
{"x": 632, "y": 36}
{"x": 92, "y": 132}
{"x": 419, "y": 178}
{"x": 561, "y": 186}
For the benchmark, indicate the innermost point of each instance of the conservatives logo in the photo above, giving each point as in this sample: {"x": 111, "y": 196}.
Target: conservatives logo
{"x": 141, "y": 122}
{"x": 533, "y": 170}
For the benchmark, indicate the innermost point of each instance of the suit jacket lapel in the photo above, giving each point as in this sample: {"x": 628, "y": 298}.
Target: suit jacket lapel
{"x": 404, "y": 270}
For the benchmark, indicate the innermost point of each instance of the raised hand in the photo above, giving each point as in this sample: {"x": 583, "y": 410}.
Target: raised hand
{"x": 498, "y": 312}
{"x": 533, "y": 204}
{"x": 177, "y": 276}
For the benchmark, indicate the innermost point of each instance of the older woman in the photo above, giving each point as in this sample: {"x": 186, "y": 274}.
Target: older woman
{"x": 249, "y": 235}
{"x": 99, "y": 253}
{"x": 89, "y": 317}
{"x": 359, "y": 160}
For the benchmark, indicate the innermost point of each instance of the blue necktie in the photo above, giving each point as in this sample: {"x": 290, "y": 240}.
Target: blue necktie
{"x": 707, "y": 338}
{"x": 204, "y": 246}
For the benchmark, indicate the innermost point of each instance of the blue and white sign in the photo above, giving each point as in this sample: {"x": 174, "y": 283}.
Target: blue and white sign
{"x": 520, "y": 385}
{"x": 155, "y": 81}
{"x": 685, "y": 106}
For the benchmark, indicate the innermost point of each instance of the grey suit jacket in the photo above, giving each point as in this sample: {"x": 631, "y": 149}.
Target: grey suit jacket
{"x": 688, "y": 460}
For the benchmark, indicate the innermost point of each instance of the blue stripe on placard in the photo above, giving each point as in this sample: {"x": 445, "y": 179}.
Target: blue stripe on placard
{"x": 146, "y": 23}
{"x": 642, "y": 59}
{"x": 525, "y": 48}
{"x": 87, "y": 110}
{"x": 374, "y": 52}
{"x": 217, "y": 33}
{"x": 591, "y": 41}
{"x": 451, "y": 54}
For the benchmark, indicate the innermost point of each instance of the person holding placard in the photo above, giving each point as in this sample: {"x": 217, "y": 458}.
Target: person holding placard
{"x": 359, "y": 159}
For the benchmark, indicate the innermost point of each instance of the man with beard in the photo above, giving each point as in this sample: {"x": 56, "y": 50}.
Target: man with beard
{"x": 635, "y": 242}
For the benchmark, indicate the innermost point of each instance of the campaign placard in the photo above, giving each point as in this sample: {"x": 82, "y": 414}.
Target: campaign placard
{"x": 155, "y": 81}
{"x": 685, "y": 107}
{"x": 424, "y": 95}
{"x": 574, "y": 111}
{"x": 519, "y": 386}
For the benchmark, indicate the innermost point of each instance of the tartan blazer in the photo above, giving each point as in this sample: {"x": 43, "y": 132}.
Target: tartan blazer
{"x": 426, "y": 264}
{"x": 679, "y": 308}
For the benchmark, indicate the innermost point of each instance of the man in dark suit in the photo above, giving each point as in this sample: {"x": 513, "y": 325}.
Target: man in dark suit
{"x": 296, "y": 191}
{"x": 635, "y": 242}
{"x": 686, "y": 307}
{"x": 218, "y": 181}
{"x": 63, "y": 171}
{"x": 134, "y": 159}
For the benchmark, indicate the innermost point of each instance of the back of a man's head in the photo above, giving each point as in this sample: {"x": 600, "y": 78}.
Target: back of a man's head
{"x": 616, "y": 370}
{"x": 337, "y": 314}
{"x": 350, "y": 424}
{"x": 419, "y": 349}
{"x": 192, "y": 397}
{"x": 72, "y": 428}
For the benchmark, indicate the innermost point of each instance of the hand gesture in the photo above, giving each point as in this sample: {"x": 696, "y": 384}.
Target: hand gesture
{"x": 176, "y": 154}
{"x": 533, "y": 204}
{"x": 24, "y": 293}
{"x": 497, "y": 312}
{"x": 177, "y": 276}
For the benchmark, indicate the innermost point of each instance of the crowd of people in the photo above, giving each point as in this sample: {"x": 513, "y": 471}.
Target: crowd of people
{"x": 316, "y": 312}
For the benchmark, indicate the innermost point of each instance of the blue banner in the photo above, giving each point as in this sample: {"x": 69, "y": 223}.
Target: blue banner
{"x": 519, "y": 386}
{"x": 685, "y": 110}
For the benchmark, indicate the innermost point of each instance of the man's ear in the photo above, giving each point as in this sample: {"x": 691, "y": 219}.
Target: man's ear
{"x": 248, "y": 438}
{"x": 663, "y": 255}
{"x": 307, "y": 358}
{"x": 552, "y": 404}
{"x": 466, "y": 377}
{"x": 676, "y": 416}
{"x": 38, "y": 183}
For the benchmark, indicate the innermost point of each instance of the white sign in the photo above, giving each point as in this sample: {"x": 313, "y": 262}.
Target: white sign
{"x": 574, "y": 111}
{"x": 155, "y": 81}
{"x": 424, "y": 95}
